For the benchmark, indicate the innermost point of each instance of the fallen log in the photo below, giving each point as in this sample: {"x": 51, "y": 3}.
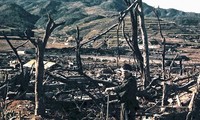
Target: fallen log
{"x": 185, "y": 77}
{"x": 81, "y": 79}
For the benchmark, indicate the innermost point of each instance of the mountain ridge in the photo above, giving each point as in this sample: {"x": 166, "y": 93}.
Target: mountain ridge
{"x": 79, "y": 12}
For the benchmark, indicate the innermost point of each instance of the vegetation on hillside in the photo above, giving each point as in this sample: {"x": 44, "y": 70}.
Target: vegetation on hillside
{"x": 195, "y": 21}
{"x": 13, "y": 15}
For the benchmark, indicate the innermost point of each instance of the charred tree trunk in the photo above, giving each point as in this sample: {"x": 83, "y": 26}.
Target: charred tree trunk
{"x": 118, "y": 51}
{"x": 137, "y": 52}
{"x": 133, "y": 42}
{"x": 39, "y": 66}
{"x": 195, "y": 103}
{"x": 165, "y": 94}
{"x": 78, "y": 56}
{"x": 145, "y": 45}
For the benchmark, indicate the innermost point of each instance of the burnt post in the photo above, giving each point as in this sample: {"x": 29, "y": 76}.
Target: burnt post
{"x": 78, "y": 56}
{"x": 181, "y": 66}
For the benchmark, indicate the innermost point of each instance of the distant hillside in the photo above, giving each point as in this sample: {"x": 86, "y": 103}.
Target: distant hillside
{"x": 39, "y": 7}
{"x": 180, "y": 17}
{"x": 15, "y": 16}
{"x": 168, "y": 13}
{"x": 89, "y": 14}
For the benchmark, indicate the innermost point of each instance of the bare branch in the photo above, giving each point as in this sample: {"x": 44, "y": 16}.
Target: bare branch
{"x": 51, "y": 25}
{"x": 125, "y": 36}
{"x": 55, "y": 25}
{"x": 101, "y": 34}
{"x": 22, "y": 44}
{"x": 15, "y": 51}
{"x": 33, "y": 42}
{"x": 125, "y": 12}
{"x": 159, "y": 25}
{"x": 28, "y": 36}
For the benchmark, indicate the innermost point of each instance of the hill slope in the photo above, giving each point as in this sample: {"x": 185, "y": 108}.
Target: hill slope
{"x": 15, "y": 16}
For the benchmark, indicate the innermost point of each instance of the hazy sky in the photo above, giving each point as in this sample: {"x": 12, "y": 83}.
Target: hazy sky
{"x": 184, "y": 5}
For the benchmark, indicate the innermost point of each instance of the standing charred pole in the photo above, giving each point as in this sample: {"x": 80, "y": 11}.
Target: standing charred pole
{"x": 163, "y": 45}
